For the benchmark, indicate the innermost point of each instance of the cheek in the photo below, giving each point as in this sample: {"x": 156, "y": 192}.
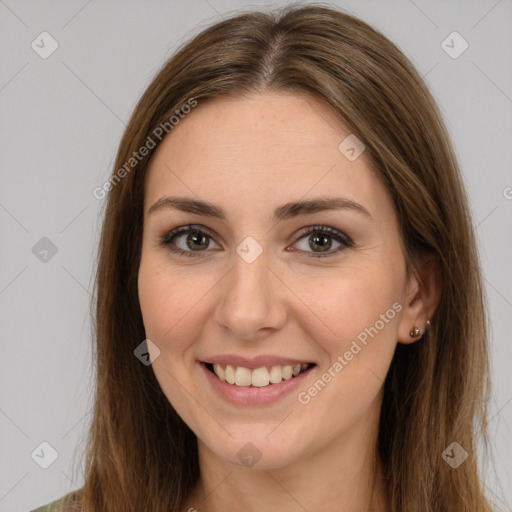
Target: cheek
{"x": 172, "y": 306}
{"x": 353, "y": 303}
{"x": 359, "y": 312}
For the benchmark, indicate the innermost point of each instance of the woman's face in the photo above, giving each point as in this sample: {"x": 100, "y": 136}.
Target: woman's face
{"x": 270, "y": 281}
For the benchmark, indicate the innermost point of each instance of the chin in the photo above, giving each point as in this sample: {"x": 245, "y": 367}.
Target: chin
{"x": 256, "y": 448}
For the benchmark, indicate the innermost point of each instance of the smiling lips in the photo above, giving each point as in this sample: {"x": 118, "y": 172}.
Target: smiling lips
{"x": 259, "y": 377}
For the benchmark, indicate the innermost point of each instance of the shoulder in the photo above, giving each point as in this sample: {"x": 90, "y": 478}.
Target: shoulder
{"x": 63, "y": 504}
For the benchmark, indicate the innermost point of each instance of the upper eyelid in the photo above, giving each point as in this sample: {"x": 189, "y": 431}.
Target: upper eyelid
{"x": 186, "y": 229}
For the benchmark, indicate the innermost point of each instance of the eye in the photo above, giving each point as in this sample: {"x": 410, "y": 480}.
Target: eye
{"x": 319, "y": 239}
{"x": 196, "y": 241}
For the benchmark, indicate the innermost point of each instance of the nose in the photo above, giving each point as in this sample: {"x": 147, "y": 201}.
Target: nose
{"x": 253, "y": 303}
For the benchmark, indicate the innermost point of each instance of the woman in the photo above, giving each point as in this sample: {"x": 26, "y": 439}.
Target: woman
{"x": 289, "y": 302}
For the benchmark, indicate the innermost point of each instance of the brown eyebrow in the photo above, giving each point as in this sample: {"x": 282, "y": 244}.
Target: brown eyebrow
{"x": 287, "y": 211}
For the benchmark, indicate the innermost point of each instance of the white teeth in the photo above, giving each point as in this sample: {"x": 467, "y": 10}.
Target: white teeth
{"x": 260, "y": 377}
{"x": 219, "y": 371}
{"x": 276, "y": 375}
{"x": 243, "y": 376}
{"x": 230, "y": 374}
{"x": 287, "y": 372}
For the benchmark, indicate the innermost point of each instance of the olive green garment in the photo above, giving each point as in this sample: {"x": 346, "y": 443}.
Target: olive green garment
{"x": 54, "y": 506}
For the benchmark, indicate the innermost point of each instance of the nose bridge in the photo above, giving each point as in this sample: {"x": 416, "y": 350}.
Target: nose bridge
{"x": 250, "y": 300}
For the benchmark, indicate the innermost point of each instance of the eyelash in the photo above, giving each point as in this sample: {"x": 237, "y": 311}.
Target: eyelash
{"x": 340, "y": 237}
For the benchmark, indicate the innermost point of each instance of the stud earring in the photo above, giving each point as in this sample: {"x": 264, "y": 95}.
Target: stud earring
{"x": 415, "y": 332}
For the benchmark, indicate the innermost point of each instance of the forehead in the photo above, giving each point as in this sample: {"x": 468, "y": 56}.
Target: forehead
{"x": 260, "y": 151}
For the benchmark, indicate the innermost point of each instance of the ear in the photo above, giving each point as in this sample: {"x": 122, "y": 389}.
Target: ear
{"x": 422, "y": 295}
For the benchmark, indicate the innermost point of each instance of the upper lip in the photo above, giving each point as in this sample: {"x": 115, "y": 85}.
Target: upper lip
{"x": 254, "y": 362}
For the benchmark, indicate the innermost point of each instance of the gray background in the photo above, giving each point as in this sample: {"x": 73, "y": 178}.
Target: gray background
{"x": 61, "y": 121}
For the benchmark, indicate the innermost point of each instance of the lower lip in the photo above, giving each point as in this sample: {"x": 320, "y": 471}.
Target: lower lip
{"x": 248, "y": 395}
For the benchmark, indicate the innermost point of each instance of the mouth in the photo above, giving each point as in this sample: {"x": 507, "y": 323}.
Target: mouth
{"x": 264, "y": 376}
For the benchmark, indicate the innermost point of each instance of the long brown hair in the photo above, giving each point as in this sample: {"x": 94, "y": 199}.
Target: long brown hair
{"x": 140, "y": 454}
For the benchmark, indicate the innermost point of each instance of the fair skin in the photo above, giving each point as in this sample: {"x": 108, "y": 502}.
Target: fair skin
{"x": 250, "y": 155}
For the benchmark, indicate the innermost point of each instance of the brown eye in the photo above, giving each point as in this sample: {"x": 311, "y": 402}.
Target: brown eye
{"x": 187, "y": 240}
{"x": 196, "y": 241}
{"x": 319, "y": 240}
{"x": 322, "y": 242}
